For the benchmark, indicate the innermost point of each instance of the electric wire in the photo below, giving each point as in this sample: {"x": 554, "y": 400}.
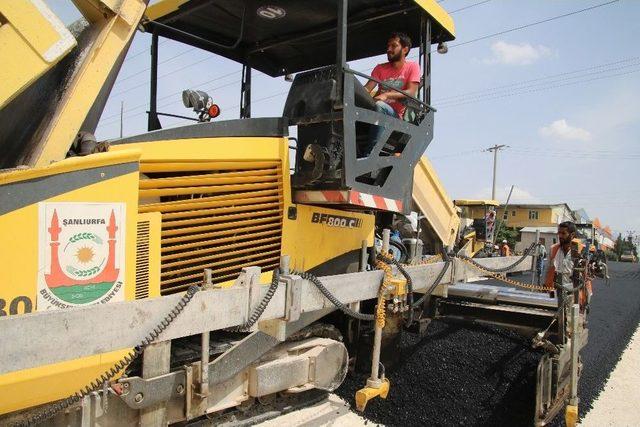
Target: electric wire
{"x": 495, "y": 88}
{"x": 535, "y": 90}
{"x": 146, "y": 83}
{"x": 453, "y": 45}
{"x": 532, "y": 24}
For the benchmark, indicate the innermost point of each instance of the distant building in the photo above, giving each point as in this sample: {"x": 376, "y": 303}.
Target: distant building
{"x": 581, "y": 216}
{"x": 535, "y": 215}
{"x": 604, "y": 236}
{"x": 548, "y": 235}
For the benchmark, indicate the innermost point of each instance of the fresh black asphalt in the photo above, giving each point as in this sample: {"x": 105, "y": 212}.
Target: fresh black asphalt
{"x": 479, "y": 376}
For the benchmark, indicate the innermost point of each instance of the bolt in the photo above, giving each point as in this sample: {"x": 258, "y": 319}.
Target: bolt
{"x": 180, "y": 389}
{"x": 138, "y": 397}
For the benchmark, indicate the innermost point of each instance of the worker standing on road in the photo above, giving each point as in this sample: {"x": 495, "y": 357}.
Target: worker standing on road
{"x": 504, "y": 249}
{"x": 560, "y": 271}
{"x": 560, "y": 263}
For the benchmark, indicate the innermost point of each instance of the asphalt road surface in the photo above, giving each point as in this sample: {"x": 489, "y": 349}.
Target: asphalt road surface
{"x": 485, "y": 376}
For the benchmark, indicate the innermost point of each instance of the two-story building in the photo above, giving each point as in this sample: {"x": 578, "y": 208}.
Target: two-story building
{"x": 535, "y": 215}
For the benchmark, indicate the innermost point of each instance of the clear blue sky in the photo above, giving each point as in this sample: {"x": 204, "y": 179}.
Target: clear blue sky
{"x": 562, "y": 94}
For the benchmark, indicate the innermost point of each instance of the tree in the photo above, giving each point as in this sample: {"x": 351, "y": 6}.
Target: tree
{"x": 504, "y": 233}
{"x": 624, "y": 245}
{"x": 618, "y": 246}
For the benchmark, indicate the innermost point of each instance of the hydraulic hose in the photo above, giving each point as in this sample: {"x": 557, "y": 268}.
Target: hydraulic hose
{"x": 328, "y": 295}
{"x": 257, "y": 312}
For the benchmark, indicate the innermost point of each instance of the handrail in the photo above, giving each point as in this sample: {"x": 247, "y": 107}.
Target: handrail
{"x": 386, "y": 85}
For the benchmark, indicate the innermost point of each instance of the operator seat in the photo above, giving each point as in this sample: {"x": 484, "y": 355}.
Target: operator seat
{"x": 315, "y": 92}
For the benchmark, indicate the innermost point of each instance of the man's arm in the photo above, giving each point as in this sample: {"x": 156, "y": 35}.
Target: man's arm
{"x": 412, "y": 89}
{"x": 370, "y": 86}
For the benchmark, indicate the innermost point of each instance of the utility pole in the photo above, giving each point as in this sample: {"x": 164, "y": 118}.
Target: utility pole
{"x": 121, "y": 116}
{"x": 495, "y": 150}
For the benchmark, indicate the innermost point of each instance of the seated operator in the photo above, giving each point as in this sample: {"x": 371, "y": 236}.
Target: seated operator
{"x": 398, "y": 73}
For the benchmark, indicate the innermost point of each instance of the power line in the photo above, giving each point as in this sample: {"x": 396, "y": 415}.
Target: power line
{"x": 542, "y": 83}
{"x": 487, "y": 98}
{"x": 548, "y": 77}
{"x": 469, "y": 7}
{"x": 555, "y": 86}
{"x": 204, "y": 59}
{"x": 458, "y": 154}
{"x": 166, "y": 104}
{"x": 453, "y": 45}
{"x": 532, "y": 24}
{"x": 573, "y": 155}
{"x": 141, "y": 51}
{"x": 132, "y": 75}
{"x": 579, "y": 151}
{"x": 144, "y": 104}
{"x": 170, "y": 73}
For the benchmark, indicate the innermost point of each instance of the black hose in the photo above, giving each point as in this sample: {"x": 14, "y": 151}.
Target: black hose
{"x": 328, "y": 295}
{"x": 257, "y": 312}
{"x": 433, "y": 286}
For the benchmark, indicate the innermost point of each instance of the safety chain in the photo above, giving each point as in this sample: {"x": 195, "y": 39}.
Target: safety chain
{"x": 436, "y": 282}
{"x": 435, "y": 258}
{"x": 97, "y": 384}
{"x": 388, "y": 259}
{"x": 386, "y": 281}
{"x": 506, "y": 279}
{"x": 503, "y": 269}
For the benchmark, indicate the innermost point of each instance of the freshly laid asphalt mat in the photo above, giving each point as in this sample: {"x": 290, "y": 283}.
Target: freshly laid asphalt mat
{"x": 456, "y": 375}
{"x": 480, "y": 376}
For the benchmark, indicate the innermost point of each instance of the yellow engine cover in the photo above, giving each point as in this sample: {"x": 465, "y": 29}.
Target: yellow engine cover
{"x": 68, "y": 239}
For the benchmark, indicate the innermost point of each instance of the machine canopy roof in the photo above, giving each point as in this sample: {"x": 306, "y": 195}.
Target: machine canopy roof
{"x": 287, "y": 36}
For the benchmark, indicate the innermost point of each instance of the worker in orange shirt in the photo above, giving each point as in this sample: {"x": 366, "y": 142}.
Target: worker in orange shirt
{"x": 504, "y": 249}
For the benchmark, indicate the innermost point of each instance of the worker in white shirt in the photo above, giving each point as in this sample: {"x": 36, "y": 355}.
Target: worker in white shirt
{"x": 560, "y": 271}
{"x": 561, "y": 263}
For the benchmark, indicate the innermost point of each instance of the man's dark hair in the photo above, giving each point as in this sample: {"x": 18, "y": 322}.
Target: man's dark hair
{"x": 405, "y": 40}
{"x": 569, "y": 226}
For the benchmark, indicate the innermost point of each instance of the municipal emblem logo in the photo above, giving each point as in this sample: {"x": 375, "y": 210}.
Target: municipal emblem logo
{"x": 81, "y": 254}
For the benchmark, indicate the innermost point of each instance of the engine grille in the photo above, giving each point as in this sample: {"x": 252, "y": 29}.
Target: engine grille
{"x": 218, "y": 215}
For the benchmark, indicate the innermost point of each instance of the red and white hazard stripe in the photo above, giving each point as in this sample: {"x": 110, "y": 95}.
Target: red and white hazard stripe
{"x": 348, "y": 197}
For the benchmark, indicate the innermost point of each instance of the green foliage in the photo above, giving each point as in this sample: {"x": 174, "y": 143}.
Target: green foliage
{"x": 623, "y": 245}
{"x": 504, "y": 233}
{"x": 611, "y": 256}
